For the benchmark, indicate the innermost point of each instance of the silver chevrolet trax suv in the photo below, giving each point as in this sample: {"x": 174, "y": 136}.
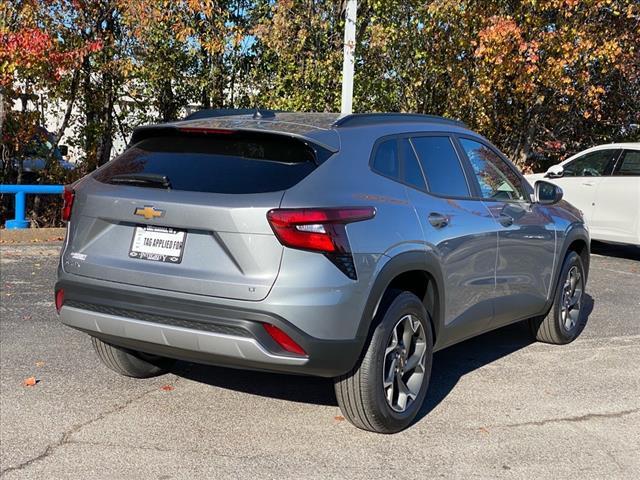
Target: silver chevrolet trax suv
{"x": 348, "y": 247}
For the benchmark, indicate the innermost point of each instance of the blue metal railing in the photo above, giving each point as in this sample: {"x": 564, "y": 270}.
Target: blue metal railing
{"x": 21, "y": 192}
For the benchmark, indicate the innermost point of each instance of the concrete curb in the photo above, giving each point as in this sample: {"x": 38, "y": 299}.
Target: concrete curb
{"x": 32, "y": 235}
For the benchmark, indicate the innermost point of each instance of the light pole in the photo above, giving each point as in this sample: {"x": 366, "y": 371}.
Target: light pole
{"x": 349, "y": 56}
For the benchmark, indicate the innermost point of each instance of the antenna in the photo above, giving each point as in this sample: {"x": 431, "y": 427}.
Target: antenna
{"x": 263, "y": 114}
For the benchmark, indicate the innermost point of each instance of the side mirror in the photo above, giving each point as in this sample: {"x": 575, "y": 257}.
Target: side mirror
{"x": 64, "y": 150}
{"x": 555, "y": 171}
{"x": 547, "y": 193}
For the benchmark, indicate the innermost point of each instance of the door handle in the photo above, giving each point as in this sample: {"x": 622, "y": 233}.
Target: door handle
{"x": 505, "y": 220}
{"x": 438, "y": 220}
{"x": 587, "y": 184}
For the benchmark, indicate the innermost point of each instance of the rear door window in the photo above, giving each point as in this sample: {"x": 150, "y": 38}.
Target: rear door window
{"x": 629, "y": 164}
{"x": 441, "y": 166}
{"x": 412, "y": 173}
{"x": 236, "y": 163}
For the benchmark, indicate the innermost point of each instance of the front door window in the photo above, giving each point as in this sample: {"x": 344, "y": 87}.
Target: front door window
{"x": 497, "y": 180}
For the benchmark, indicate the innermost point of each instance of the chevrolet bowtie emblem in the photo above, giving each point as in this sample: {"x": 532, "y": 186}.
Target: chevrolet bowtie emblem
{"x": 149, "y": 212}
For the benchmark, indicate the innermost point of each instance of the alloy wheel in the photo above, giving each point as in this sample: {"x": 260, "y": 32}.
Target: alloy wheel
{"x": 404, "y": 363}
{"x": 571, "y": 299}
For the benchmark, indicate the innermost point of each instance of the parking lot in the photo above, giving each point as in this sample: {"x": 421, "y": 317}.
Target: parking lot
{"x": 498, "y": 405}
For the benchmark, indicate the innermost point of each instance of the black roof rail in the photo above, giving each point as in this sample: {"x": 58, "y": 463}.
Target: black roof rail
{"x": 227, "y": 112}
{"x": 364, "y": 119}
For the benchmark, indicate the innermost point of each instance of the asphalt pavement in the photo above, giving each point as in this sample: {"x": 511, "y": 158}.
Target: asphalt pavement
{"x": 499, "y": 406}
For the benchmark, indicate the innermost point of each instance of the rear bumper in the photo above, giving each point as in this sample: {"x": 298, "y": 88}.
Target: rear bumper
{"x": 199, "y": 332}
{"x": 240, "y": 348}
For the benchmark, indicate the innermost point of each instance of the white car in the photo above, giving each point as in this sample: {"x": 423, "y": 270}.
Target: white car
{"x": 603, "y": 182}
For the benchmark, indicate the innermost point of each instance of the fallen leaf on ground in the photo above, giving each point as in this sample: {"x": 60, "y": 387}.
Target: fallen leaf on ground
{"x": 483, "y": 430}
{"x": 29, "y": 382}
{"x": 40, "y": 364}
{"x": 167, "y": 388}
{"x": 338, "y": 418}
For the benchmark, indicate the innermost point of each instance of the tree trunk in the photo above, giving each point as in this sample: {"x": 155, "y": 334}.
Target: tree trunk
{"x": 73, "y": 91}
{"x": 90, "y": 148}
{"x": 2, "y": 113}
{"x": 523, "y": 151}
{"x": 166, "y": 102}
{"x": 206, "y": 97}
{"x": 106, "y": 139}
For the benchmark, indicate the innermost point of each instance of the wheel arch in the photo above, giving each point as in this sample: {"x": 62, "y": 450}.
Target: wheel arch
{"x": 415, "y": 271}
{"x": 577, "y": 240}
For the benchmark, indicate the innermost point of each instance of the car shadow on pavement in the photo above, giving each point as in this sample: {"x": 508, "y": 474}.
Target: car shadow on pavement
{"x": 294, "y": 388}
{"x": 449, "y": 366}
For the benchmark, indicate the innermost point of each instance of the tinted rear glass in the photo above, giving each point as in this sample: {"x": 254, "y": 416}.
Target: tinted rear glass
{"x": 441, "y": 166}
{"x": 386, "y": 159}
{"x": 228, "y": 163}
{"x": 412, "y": 172}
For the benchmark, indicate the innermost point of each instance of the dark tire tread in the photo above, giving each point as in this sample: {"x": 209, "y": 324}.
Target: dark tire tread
{"x": 123, "y": 362}
{"x": 353, "y": 390}
{"x": 546, "y": 328}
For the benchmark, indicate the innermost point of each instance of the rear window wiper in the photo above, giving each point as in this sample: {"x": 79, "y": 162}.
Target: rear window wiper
{"x": 142, "y": 179}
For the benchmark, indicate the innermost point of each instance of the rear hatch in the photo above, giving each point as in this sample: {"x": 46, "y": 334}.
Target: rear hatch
{"x": 186, "y": 211}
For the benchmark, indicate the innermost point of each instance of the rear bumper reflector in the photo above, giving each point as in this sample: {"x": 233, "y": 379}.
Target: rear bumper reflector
{"x": 59, "y": 299}
{"x": 284, "y": 340}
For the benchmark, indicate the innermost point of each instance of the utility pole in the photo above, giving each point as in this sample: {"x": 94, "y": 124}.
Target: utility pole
{"x": 349, "y": 56}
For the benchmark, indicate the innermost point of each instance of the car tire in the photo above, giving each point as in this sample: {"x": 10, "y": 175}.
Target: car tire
{"x": 566, "y": 318}
{"x": 364, "y": 395}
{"x": 129, "y": 363}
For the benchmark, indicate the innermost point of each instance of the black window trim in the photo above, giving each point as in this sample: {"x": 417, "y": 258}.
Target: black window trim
{"x": 473, "y": 188}
{"x": 526, "y": 186}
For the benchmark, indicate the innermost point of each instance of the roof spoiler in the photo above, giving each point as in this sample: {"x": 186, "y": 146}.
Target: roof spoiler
{"x": 257, "y": 113}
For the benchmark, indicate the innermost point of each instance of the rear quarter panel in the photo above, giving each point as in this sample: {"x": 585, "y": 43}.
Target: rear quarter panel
{"x": 346, "y": 180}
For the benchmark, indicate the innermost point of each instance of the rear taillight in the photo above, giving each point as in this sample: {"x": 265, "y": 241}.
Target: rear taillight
{"x": 68, "y": 195}
{"x": 319, "y": 230}
{"x": 59, "y": 299}
{"x": 284, "y": 340}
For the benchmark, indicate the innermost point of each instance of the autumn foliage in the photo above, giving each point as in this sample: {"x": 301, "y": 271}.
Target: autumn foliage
{"x": 540, "y": 78}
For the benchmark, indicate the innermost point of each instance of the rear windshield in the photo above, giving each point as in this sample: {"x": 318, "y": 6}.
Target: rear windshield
{"x": 216, "y": 163}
